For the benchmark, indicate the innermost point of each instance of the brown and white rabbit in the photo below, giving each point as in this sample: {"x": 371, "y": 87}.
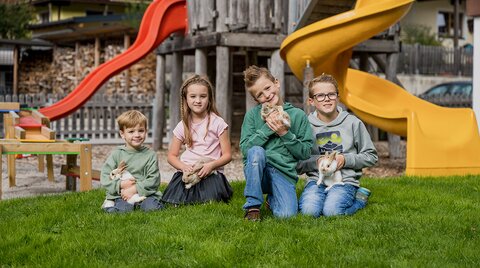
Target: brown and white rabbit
{"x": 268, "y": 108}
{"x": 327, "y": 171}
{"x": 192, "y": 178}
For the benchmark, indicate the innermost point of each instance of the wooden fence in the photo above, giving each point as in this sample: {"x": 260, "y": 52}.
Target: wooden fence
{"x": 96, "y": 119}
{"x": 433, "y": 60}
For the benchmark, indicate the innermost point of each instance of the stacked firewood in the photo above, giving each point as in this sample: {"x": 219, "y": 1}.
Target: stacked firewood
{"x": 34, "y": 74}
{"x": 64, "y": 72}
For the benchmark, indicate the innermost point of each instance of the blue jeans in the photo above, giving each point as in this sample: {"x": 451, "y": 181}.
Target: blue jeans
{"x": 122, "y": 206}
{"x": 339, "y": 200}
{"x": 261, "y": 178}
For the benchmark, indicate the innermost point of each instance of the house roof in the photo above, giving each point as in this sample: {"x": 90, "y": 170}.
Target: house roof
{"x": 82, "y": 28}
{"x": 24, "y": 42}
{"x": 66, "y": 2}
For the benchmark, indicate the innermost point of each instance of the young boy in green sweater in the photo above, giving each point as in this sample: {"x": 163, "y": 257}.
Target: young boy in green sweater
{"x": 141, "y": 164}
{"x": 271, "y": 148}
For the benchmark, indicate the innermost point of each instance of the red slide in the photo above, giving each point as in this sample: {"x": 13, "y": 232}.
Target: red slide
{"x": 161, "y": 18}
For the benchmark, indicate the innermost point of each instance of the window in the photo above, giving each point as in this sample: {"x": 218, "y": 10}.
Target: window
{"x": 44, "y": 17}
{"x": 445, "y": 21}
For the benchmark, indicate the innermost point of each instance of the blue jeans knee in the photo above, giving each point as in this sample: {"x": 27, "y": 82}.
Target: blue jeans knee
{"x": 256, "y": 154}
{"x": 340, "y": 200}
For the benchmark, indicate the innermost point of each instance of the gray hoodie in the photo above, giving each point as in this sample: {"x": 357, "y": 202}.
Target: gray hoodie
{"x": 347, "y": 135}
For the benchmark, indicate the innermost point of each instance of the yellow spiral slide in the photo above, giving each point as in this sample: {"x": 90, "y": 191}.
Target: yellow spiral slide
{"x": 440, "y": 141}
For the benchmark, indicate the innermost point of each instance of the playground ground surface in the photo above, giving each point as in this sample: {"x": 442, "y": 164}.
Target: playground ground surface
{"x": 32, "y": 183}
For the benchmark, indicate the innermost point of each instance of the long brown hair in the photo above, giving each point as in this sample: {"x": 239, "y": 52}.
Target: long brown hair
{"x": 185, "y": 110}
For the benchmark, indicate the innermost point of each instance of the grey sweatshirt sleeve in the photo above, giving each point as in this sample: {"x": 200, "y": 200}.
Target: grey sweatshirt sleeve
{"x": 367, "y": 154}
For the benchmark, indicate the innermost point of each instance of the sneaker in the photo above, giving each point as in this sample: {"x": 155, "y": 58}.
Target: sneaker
{"x": 252, "y": 214}
{"x": 108, "y": 204}
{"x": 362, "y": 194}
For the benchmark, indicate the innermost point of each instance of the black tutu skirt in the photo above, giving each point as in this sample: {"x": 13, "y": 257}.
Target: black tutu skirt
{"x": 213, "y": 188}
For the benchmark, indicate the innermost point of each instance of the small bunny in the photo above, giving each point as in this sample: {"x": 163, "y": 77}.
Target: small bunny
{"x": 327, "y": 171}
{"x": 121, "y": 173}
{"x": 192, "y": 178}
{"x": 268, "y": 108}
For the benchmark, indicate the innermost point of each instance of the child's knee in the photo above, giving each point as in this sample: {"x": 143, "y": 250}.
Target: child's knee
{"x": 285, "y": 213}
{"x": 256, "y": 153}
{"x": 332, "y": 211}
{"x": 151, "y": 204}
{"x": 310, "y": 210}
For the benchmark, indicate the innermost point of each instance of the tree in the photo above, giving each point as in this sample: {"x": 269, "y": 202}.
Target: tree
{"x": 419, "y": 34}
{"x": 134, "y": 13}
{"x": 14, "y": 20}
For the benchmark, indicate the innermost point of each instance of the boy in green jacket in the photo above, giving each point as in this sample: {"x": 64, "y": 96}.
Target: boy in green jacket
{"x": 141, "y": 165}
{"x": 271, "y": 148}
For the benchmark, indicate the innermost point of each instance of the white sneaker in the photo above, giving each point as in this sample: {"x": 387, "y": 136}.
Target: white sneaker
{"x": 108, "y": 203}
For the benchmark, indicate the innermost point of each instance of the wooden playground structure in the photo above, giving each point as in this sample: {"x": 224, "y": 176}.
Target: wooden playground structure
{"x": 28, "y": 132}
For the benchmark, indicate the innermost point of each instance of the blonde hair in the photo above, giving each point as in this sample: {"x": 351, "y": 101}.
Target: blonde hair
{"x": 130, "y": 119}
{"x": 253, "y": 73}
{"x": 185, "y": 110}
{"x": 323, "y": 78}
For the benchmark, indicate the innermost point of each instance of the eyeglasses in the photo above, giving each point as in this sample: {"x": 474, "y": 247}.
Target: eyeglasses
{"x": 321, "y": 96}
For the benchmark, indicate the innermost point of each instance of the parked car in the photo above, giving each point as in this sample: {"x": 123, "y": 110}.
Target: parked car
{"x": 452, "y": 94}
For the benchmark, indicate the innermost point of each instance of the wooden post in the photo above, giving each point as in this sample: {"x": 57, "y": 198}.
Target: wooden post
{"x": 126, "y": 45}
{"x": 85, "y": 167}
{"x": 201, "y": 61}
{"x": 11, "y": 170}
{"x": 15, "y": 70}
{"x": 41, "y": 163}
{"x": 308, "y": 75}
{"x": 177, "y": 70}
{"x": 364, "y": 67}
{"x": 220, "y": 25}
{"x": 223, "y": 93}
{"x": 97, "y": 51}
{"x": 71, "y": 181}
{"x": 159, "y": 105}
{"x": 292, "y": 12}
{"x": 277, "y": 68}
{"x": 394, "y": 145}
{"x": 251, "y": 59}
{"x": 50, "y": 167}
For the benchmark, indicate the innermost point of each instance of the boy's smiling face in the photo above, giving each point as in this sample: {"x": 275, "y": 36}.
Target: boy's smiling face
{"x": 266, "y": 91}
{"x": 134, "y": 136}
{"x": 324, "y": 104}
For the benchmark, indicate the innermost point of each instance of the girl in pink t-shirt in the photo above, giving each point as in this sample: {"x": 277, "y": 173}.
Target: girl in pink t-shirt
{"x": 207, "y": 148}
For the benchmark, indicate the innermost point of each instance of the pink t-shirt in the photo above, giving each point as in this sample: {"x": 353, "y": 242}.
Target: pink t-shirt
{"x": 203, "y": 146}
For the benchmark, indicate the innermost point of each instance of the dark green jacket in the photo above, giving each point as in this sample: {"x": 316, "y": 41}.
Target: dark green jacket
{"x": 284, "y": 152}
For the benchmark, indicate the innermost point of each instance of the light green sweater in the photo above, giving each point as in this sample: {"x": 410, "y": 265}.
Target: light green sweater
{"x": 284, "y": 152}
{"x": 142, "y": 164}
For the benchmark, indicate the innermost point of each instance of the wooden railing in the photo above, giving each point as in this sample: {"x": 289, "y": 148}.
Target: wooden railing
{"x": 253, "y": 16}
{"x": 433, "y": 60}
{"x": 96, "y": 120}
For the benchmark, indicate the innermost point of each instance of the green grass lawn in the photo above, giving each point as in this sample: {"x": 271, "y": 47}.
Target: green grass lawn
{"x": 409, "y": 222}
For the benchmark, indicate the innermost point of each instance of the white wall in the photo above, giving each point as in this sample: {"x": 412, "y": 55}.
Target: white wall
{"x": 425, "y": 13}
